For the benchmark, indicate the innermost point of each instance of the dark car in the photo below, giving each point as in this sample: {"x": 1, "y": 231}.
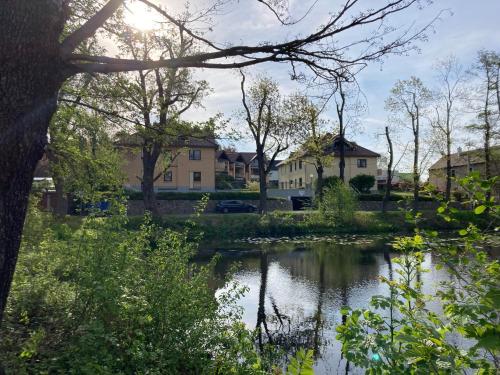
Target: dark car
{"x": 234, "y": 206}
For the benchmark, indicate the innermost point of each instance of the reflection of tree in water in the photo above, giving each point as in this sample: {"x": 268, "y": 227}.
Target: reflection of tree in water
{"x": 284, "y": 332}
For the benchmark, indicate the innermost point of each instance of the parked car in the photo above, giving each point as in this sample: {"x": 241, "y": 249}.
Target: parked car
{"x": 234, "y": 206}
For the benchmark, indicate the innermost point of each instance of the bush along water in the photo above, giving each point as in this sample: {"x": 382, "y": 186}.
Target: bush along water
{"x": 99, "y": 299}
{"x": 401, "y": 334}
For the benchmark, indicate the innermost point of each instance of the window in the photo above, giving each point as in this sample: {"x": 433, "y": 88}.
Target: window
{"x": 295, "y": 183}
{"x": 300, "y": 182}
{"x": 361, "y": 163}
{"x": 282, "y": 186}
{"x": 167, "y": 177}
{"x": 295, "y": 164}
{"x": 197, "y": 176}
{"x": 471, "y": 169}
{"x": 290, "y": 167}
{"x": 452, "y": 173}
{"x": 291, "y": 184}
{"x": 194, "y": 154}
{"x": 300, "y": 164}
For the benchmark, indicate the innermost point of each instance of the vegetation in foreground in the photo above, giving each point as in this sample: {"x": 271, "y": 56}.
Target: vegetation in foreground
{"x": 103, "y": 300}
{"x": 401, "y": 334}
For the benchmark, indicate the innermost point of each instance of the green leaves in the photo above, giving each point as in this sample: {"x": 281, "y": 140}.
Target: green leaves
{"x": 302, "y": 363}
{"x": 479, "y": 209}
{"x": 402, "y": 331}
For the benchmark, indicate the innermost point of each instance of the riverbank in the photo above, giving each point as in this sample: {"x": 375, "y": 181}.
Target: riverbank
{"x": 297, "y": 223}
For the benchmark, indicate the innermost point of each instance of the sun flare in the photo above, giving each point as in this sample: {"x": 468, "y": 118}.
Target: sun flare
{"x": 140, "y": 17}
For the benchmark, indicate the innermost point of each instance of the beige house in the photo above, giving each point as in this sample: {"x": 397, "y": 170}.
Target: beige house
{"x": 239, "y": 165}
{"x": 463, "y": 163}
{"x": 299, "y": 172}
{"x": 188, "y": 164}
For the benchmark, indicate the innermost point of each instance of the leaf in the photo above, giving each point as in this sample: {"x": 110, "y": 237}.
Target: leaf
{"x": 479, "y": 209}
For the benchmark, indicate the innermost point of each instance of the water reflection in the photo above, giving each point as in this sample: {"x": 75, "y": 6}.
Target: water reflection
{"x": 296, "y": 291}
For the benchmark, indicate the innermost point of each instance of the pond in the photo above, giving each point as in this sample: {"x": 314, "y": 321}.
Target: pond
{"x": 298, "y": 286}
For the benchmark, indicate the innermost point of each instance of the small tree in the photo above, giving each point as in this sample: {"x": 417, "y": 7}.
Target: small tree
{"x": 312, "y": 135}
{"x": 451, "y": 79}
{"x": 338, "y": 204}
{"x": 408, "y": 102}
{"x": 362, "y": 182}
{"x": 269, "y": 127}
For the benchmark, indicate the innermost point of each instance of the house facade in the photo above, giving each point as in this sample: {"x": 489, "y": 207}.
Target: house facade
{"x": 242, "y": 166}
{"x": 187, "y": 164}
{"x": 462, "y": 164}
{"x": 299, "y": 172}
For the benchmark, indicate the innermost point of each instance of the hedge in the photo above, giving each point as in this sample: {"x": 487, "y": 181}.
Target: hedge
{"x": 195, "y": 196}
{"x": 394, "y": 197}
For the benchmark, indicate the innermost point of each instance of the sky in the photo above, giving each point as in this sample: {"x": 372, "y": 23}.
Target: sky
{"x": 463, "y": 28}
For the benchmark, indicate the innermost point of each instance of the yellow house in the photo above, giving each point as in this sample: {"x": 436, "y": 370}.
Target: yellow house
{"x": 299, "y": 171}
{"x": 187, "y": 164}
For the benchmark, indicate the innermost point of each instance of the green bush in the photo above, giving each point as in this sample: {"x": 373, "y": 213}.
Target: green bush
{"x": 224, "y": 181}
{"x": 338, "y": 205}
{"x": 362, "y": 182}
{"x": 401, "y": 332}
{"x": 394, "y": 197}
{"x": 104, "y": 300}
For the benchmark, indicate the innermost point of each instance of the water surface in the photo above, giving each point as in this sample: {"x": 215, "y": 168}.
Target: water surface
{"x": 297, "y": 288}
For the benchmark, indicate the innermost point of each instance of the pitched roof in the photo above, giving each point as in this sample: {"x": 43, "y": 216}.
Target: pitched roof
{"x": 135, "y": 140}
{"x": 351, "y": 149}
{"x": 464, "y": 158}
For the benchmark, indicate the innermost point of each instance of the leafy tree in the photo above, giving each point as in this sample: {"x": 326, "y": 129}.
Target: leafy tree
{"x": 269, "y": 126}
{"x": 362, "y": 182}
{"x": 408, "y": 101}
{"x": 312, "y": 135}
{"x": 40, "y": 43}
{"x": 82, "y": 157}
{"x": 338, "y": 204}
{"x": 152, "y": 101}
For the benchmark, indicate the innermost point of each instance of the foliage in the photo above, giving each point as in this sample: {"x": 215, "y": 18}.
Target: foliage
{"x": 253, "y": 186}
{"x": 83, "y": 160}
{"x": 362, "y": 182}
{"x": 338, "y": 205}
{"x": 224, "y": 181}
{"x": 331, "y": 181}
{"x": 103, "y": 300}
{"x": 402, "y": 333}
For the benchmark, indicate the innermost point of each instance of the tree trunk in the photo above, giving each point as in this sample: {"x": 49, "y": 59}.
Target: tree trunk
{"x": 342, "y": 157}
{"x": 149, "y": 159}
{"x": 319, "y": 182}
{"x": 388, "y": 185}
{"x": 31, "y": 74}
{"x": 448, "y": 167}
{"x": 262, "y": 182}
{"x": 416, "y": 175}
{"x": 61, "y": 204}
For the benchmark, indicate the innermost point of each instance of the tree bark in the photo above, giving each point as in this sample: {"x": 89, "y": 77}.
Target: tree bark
{"x": 31, "y": 74}
{"x": 448, "y": 167}
{"x": 388, "y": 185}
{"x": 319, "y": 182}
{"x": 149, "y": 160}
{"x": 262, "y": 182}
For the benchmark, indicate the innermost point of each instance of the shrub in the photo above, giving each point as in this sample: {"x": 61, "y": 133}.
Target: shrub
{"x": 224, "y": 181}
{"x": 253, "y": 186}
{"x": 104, "y": 300}
{"x": 331, "y": 181}
{"x": 402, "y": 334}
{"x": 338, "y": 204}
{"x": 362, "y": 182}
